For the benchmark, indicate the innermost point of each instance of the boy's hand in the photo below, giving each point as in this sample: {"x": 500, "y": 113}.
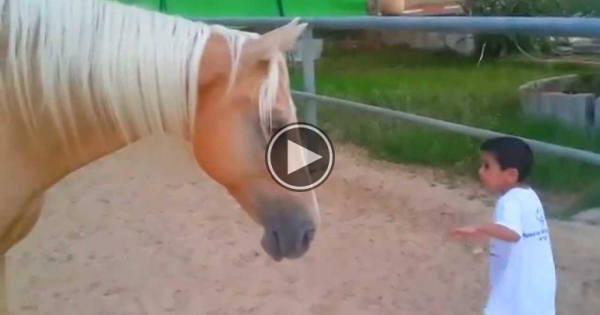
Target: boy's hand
{"x": 487, "y": 230}
{"x": 464, "y": 232}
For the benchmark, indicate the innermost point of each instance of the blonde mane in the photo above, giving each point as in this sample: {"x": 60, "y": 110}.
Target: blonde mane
{"x": 65, "y": 58}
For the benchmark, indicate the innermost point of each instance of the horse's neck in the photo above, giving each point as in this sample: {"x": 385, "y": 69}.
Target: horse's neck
{"x": 101, "y": 90}
{"x": 68, "y": 132}
{"x": 45, "y": 160}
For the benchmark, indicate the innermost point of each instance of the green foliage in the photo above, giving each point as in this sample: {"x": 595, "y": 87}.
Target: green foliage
{"x": 499, "y": 45}
{"x": 449, "y": 88}
{"x": 586, "y": 83}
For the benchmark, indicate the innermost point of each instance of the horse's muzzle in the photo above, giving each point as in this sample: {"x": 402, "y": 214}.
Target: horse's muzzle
{"x": 288, "y": 237}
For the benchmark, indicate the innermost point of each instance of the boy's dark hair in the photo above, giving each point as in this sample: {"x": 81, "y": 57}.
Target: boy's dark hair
{"x": 510, "y": 152}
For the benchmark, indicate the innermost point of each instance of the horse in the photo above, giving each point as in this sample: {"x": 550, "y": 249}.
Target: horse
{"x": 81, "y": 79}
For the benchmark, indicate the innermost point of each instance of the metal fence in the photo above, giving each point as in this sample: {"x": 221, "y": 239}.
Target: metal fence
{"x": 544, "y": 26}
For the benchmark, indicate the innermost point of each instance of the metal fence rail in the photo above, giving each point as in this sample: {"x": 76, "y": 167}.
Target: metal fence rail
{"x": 542, "y": 26}
{"x": 552, "y": 149}
{"x": 550, "y": 26}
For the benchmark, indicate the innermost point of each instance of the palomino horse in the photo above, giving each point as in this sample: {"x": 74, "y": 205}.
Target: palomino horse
{"x": 81, "y": 79}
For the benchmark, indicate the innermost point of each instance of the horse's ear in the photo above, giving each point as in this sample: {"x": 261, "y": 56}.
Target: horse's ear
{"x": 279, "y": 40}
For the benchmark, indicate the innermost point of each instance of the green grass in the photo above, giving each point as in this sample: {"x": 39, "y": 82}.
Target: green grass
{"x": 451, "y": 88}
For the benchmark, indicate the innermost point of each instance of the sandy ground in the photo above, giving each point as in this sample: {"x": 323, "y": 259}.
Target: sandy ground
{"x": 144, "y": 232}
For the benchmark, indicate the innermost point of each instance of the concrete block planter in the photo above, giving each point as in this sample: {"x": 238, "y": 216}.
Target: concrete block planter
{"x": 561, "y": 99}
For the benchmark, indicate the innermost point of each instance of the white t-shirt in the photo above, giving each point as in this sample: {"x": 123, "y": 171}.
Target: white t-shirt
{"x": 522, "y": 274}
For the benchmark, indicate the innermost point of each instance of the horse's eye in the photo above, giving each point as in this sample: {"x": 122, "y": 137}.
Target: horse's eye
{"x": 275, "y": 129}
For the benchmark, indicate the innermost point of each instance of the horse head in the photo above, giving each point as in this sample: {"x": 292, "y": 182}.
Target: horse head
{"x": 244, "y": 101}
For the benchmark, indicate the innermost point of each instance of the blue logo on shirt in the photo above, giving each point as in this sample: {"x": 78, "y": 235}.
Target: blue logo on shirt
{"x": 542, "y": 233}
{"x": 539, "y": 214}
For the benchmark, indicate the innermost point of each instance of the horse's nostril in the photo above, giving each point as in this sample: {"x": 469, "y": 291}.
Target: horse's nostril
{"x": 276, "y": 239}
{"x": 308, "y": 237}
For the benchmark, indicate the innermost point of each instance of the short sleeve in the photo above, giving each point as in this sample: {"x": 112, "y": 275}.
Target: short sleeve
{"x": 509, "y": 214}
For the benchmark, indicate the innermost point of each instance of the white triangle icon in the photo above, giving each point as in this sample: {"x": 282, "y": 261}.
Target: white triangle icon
{"x": 294, "y": 161}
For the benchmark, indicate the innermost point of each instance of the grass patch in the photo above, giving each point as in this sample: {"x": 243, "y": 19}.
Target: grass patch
{"x": 452, "y": 88}
{"x": 589, "y": 83}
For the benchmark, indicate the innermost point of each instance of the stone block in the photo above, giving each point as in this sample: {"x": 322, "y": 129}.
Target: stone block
{"x": 591, "y": 216}
{"x": 546, "y": 104}
{"x": 530, "y": 102}
{"x": 552, "y": 84}
{"x": 572, "y": 109}
{"x": 545, "y": 98}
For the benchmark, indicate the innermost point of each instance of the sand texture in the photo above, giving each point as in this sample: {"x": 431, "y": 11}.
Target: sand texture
{"x": 144, "y": 231}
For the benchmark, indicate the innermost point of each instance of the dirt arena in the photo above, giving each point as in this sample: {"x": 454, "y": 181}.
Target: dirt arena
{"x": 144, "y": 232}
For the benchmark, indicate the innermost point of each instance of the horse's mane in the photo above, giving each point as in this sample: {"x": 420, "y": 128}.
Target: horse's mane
{"x": 143, "y": 65}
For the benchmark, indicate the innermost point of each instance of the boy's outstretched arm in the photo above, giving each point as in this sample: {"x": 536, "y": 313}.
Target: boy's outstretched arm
{"x": 499, "y": 231}
{"x": 490, "y": 229}
{"x": 506, "y": 225}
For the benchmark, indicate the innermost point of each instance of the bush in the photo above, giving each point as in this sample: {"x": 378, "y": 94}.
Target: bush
{"x": 499, "y": 45}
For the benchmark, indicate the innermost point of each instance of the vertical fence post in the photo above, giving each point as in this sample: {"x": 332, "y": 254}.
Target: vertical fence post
{"x": 308, "y": 72}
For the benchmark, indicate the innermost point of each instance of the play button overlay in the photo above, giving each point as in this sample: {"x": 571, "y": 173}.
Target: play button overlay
{"x": 300, "y": 157}
{"x": 294, "y": 150}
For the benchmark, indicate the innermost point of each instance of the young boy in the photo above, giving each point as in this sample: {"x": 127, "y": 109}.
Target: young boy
{"x": 521, "y": 264}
